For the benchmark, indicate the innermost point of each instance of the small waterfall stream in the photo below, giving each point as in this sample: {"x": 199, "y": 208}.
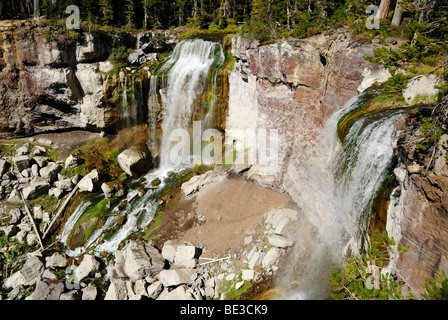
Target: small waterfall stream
{"x": 181, "y": 81}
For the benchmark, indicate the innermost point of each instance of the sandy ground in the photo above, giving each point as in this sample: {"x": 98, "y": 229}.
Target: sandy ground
{"x": 232, "y": 208}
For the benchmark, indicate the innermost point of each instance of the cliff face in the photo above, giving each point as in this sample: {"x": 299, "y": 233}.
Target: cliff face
{"x": 418, "y": 216}
{"x": 52, "y": 82}
{"x": 294, "y": 86}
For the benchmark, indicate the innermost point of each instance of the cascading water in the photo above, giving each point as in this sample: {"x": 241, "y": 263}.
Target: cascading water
{"x": 182, "y": 80}
{"x": 341, "y": 182}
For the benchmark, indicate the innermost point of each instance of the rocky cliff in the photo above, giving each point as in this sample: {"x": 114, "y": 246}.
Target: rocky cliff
{"x": 294, "y": 86}
{"x": 50, "y": 81}
{"x": 418, "y": 216}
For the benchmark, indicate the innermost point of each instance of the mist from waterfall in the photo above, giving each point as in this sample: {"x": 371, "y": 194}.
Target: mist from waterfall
{"x": 341, "y": 181}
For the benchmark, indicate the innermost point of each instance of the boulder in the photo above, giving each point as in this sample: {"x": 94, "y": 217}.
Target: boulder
{"x": 47, "y": 289}
{"x": 136, "y": 160}
{"x": 21, "y": 162}
{"x": 71, "y": 162}
{"x": 71, "y": 295}
{"x": 172, "y": 278}
{"x": 22, "y": 151}
{"x": 88, "y": 266}
{"x": 14, "y": 197}
{"x": 117, "y": 291}
{"x": 4, "y": 166}
{"x": 154, "y": 290}
{"x": 90, "y": 292}
{"x": 187, "y": 256}
{"x": 177, "y": 294}
{"x": 18, "y": 293}
{"x": 106, "y": 66}
{"x": 41, "y": 161}
{"x": 57, "y": 260}
{"x": 280, "y": 241}
{"x": 271, "y": 257}
{"x": 65, "y": 185}
{"x": 15, "y": 215}
{"x": 137, "y": 57}
{"x": 113, "y": 189}
{"x": 30, "y": 273}
{"x": 422, "y": 89}
{"x": 197, "y": 182}
{"x": 169, "y": 251}
{"x": 39, "y": 151}
{"x": 36, "y": 188}
{"x": 141, "y": 260}
{"x": 89, "y": 182}
{"x": 50, "y": 171}
{"x": 247, "y": 275}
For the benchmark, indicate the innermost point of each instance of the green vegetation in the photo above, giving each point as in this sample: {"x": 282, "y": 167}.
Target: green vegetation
{"x": 48, "y": 203}
{"x": 436, "y": 288}
{"x": 357, "y": 280}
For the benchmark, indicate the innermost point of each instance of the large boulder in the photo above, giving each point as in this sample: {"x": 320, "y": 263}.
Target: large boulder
{"x": 57, "y": 260}
{"x": 36, "y": 188}
{"x": 4, "y": 166}
{"x": 30, "y": 273}
{"x": 141, "y": 260}
{"x": 89, "y": 182}
{"x": 21, "y": 162}
{"x": 136, "y": 160}
{"x": 50, "y": 171}
{"x": 48, "y": 290}
{"x": 187, "y": 256}
{"x": 88, "y": 266}
{"x": 71, "y": 162}
{"x": 173, "y": 278}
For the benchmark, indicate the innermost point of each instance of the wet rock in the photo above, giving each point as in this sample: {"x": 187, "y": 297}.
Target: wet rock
{"x": 113, "y": 189}
{"x": 136, "y": 160}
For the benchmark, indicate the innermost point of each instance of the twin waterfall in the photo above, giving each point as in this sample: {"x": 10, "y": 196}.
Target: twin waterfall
{"x": 179, "y": 82}
{"x": 341, "y": 183}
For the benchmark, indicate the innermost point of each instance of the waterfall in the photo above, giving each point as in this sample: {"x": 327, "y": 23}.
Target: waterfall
{"x": 184, "y": 78}
{"x": 341, "y": 181}
{"x": 181, "y": 81}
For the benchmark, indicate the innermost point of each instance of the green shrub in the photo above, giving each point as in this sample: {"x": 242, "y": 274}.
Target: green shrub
{"x": 120, "y": 55}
